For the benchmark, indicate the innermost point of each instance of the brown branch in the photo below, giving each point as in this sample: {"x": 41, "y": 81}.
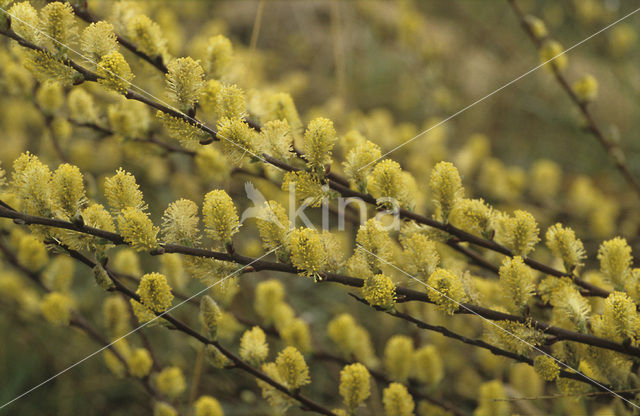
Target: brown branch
{"x": 403, "y": 294}
{"x": 238, "y": 362}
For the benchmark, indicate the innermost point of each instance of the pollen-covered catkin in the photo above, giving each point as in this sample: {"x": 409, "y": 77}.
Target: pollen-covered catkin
{"x": 122, "y": 191}
{"x": 615, "y": 260}
{"x": 57, "y": 23}
{"x": 307, "y": 251}
{"x": 446, "y": 187}
{"x": 319, "y": 139}
{"x": 155, "y": 292}
{"x": 180, "y": 223}
{"x": 292, "y": 368}
{"x": 253, "y": 346}
{"x": 354, "y": 385}
{"x": 517, "y": 281}
{"x": 137, "y": 229}
{"x": 219, "y": 56}
{"x": 185, "y": 80}
{"x": 563, "y": 243}
{"x": 446, "y": 290}
{"x": 68, "y": 195}
{"x": 170, "y": 381}
{"x": 147, "y": 36}
{"x": 220, "y": 216}
{"x": 25, "y": 21}
{"x": 379, "y": 290}
{"x": 546, "y": 367}
{"x": 114, "y": 72}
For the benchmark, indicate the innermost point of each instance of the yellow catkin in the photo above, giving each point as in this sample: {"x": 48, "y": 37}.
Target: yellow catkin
{"x": 354, "y": 385}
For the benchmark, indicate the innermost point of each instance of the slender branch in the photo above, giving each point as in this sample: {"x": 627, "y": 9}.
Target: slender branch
{"x": 403, "y": 294}
{"x": 615, "y": 153}
{"x": 484, "y": 345}
{"x": 186, "y": 329}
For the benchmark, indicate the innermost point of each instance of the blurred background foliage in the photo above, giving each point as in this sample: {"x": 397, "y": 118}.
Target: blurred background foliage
{"x": 389, "y": 69}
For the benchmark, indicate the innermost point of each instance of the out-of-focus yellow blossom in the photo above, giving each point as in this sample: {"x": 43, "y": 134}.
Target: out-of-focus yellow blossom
{"x": 397, "y": 401}
{"x": 155, "y": 292}
{"x": 98, "y": 40}
{"x": 253, "y": 346}
{"x": 184, "y": 132}
{"x": 267, "y": 295}
{"x": 210, "y": 315}
{"x": 207, "y": 406}
{"x": 81, "y": 106}
{"x": 116, "y": 315}
{"x": 281, "y": 107}
{"x": 398, "y": 355}
{"x": 552, "y": 53}
{"x": 32, "y": 253}
{"x": 170, "y": 381}
{"x": 185, "y": 80}
{"x": 376, "y": 243}
{"x": 50, "y": 97}
{"x": 114, "y": 72}
{"x": 46, "y": 67}
{"x": 212, "y": 165}
{"x": 352, "y": 339}
{"x": 276, "y": 398}
{"x": 137, "y": 229}
{"x": 445, "y": 290}
{"x": 56, "y": 308}
{"x": 446, "y": 187}
{"x": 180, "y": 223}
{"x": 621, "y": 39}
{"x": 546, "y": 367}
{"x": 164, "y": 409}
{"x": 297, "y": 334}
{"x": 58, "y": 275}
{"x": 492, "y": 400}
{"x": 147, "y": 36}
{"x": 307, "y": 251}
{"x": 355, "y": 384}
{"x": 379, "y": 290}
{"x": 517, "y": 283}
{"x": 545, "y": 180}
{"x": 586, "y": 88}
{"x": 427, "y": 365}
{"x": 537, "y": 26}
{"x": 139, "y": 362}
{"x": 219, "y": 56}
{"x": 220, "y": 216}
{"x": 292, "y": 368}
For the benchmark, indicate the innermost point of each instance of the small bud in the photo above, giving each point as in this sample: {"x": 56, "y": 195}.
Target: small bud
{"x": 102, "y": 277}
{"x": 552, "y": 53}
{"x": 210, "y": 315}
{"x": 170, "y": 382}
{"x": 586, "y": 88}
